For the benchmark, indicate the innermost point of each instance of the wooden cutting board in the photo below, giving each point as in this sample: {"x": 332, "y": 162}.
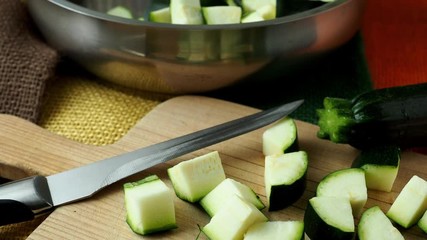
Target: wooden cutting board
{"x": 27, "y": 149}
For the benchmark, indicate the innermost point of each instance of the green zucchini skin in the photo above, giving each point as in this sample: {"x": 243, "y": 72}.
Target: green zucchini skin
{"x": 283, "y": 196}
{"x": 317, "y": 229}
{"x": 396, "y": 115}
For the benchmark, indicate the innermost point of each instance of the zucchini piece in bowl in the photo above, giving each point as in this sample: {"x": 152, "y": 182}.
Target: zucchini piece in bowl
{"x": 410, "y": 204}
{"x": 329, "y": 218}
{"x": 374, "y": 224}
{"x": 216, "y": 198}
{"x": 193, "y": 179}
{"x": 285, "y": 178}
{"x": 149, "y": 206}
{"x": 349, "y": 183}
{"x": 381, "y": 166}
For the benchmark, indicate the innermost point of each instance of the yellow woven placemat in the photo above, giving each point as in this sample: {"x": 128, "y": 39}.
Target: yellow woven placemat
{"x": 92, "y": 111}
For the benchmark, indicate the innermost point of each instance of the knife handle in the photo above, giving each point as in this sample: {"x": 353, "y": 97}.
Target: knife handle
{"x": 24, "y": 199}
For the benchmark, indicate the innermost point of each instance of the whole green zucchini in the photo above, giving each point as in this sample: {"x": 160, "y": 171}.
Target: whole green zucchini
{"x": 396, "y": 115}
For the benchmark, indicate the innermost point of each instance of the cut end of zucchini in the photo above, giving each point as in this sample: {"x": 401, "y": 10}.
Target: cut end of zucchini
{"x": 349, "y": 183}
{"x": 217, "y": 198}
{"x": 233, "y": 219}
{"x": 281, "y": 137}
{"x": 194, "y": 178}
{"x": 285, "y": 178}
{"x": 374, "y": 224}
{"x": 329, "y": 218}
{"x": 410, "y": 204}
{"x": 149, "y": 206}
{"x": 335, "y": 120}
{"x": 289, "y": 230}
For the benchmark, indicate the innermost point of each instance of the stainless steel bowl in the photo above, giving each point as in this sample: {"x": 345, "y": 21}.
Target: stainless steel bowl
{"x": 181, "y": 59}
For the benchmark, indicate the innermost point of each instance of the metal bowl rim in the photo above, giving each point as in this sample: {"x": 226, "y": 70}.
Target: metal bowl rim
{"x": 280, "y": 20}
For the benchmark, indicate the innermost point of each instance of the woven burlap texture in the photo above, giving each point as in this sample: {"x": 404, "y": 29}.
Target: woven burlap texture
{"x": 26, "y": 63}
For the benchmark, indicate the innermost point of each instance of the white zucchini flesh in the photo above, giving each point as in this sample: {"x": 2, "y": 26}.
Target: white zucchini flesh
{"x": 222, "y": 14}
{"x": 275, "y": 230}
{"x": 422, "y": 223}
{"x": 194, "y": 178}
{"x": 279, "y": 137}
{"x": 253, "y": 5}
{"x": 349, "y": 183}
{"x": 149, "y": 206}
{"x": 329, "y": 218}
{"x": 284, "y": 177}
{"x": 410, "y": 204}
{"x": 218, "y": 197}
{"x": 186, "y": 12}
{"x": 375, "y": 225}
{"x": 379, "y": 177}
{"x": 233, "y": 219}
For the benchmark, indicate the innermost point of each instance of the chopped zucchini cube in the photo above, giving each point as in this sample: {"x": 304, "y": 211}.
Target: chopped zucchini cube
{"x": 162, "y": 15}
{"x": 381, "y": 165}
{"x": 222, "y": 14}
{"x": 281, "y": 137}
{"x": 422, "y": 223}
{"x": 374, "y": 224}
{"x": 329, "y": 218}
{"x": 233, "y": 220}
{"x": 348, "y": 183}
{"x": 217, "y": 198}
{"x": 193, "y": 179}
{"x": 276, "y": 230}
{"x": 410, "y": 204}
{"x": 186, "y": 12}
{"x": 285, "y": 178}
{"x": 149, "y": 206}
{"x": 120, "y": 11}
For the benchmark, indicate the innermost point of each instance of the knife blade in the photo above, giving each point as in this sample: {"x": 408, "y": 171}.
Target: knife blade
{"x": 23, "y": 199}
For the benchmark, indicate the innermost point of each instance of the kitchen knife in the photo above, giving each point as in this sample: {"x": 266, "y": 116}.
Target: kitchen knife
{"x": 24, "y": 199}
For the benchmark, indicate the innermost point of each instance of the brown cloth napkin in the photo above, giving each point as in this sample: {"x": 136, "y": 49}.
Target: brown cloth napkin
{"x": 26, "y": 62}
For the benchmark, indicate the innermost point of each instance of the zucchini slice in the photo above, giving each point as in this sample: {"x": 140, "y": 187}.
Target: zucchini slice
{"x": 349, "y": 183}
{"x": 381, "y": 165}
{"x": 216, "y": 198}
{"x": 120, "y": 11}
{"x": 276, "y": 230}
{"x": 193, "y": 179}
{"x": 329, "y": 218}
{"x": 149, "y": 206}
{"x": 422, "y": 223}
{"x": 374, "y": 224}
{"x": 410, "y": 204}
{"x": 285, "y": 178}
{"x": 281, "y": 137}
{"x": 233, "y": 219}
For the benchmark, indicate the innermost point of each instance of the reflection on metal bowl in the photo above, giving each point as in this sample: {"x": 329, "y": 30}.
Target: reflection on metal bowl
{"x": 181, "y": 59}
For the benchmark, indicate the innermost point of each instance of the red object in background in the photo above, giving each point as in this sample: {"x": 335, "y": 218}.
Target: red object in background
{"x": 395, "y": 39}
